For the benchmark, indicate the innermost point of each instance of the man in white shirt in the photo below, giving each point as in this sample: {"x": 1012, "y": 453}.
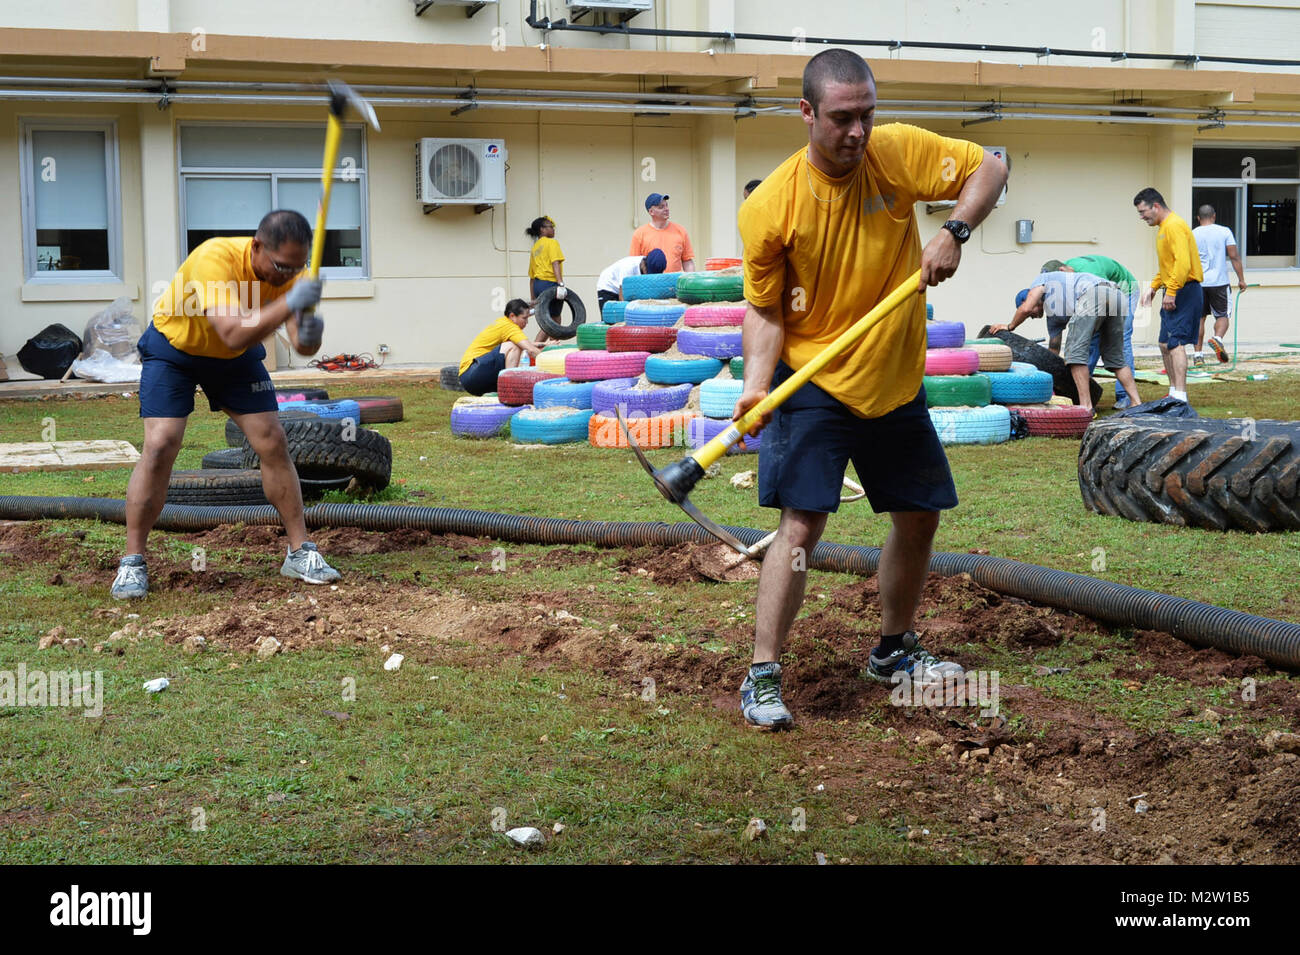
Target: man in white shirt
{"x": 609, "y": 286}
{"x": 1217, "y": 247}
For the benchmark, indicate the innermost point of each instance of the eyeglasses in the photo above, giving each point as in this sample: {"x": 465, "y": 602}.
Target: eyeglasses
{"x": 285, "y": 269}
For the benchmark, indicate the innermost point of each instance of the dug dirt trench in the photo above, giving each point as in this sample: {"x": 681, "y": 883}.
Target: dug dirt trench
{"x": 1060, "y": 782}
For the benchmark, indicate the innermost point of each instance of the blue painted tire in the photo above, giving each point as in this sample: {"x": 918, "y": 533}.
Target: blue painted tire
{"x": 674, "y": 371}
{"x": 483, "y": 417}
{"x": 718, "y": 397}
{"x": 556, "y": 425}
{"x": 929, "y": 313}
{"x": 612, "y": 312}
{"x": 988, "y": 425}
{"x": 663, "y": 285}
{"x": 609, "y": 395}
{"x": 653, "y": 313}
{"x": 945, "y": 334}
{"x": 326, "y": 409}
{"x": 1022, "y": 385}
{"x": 711, "y": 342}
{"x": 700, "y": 431}
{"x": 562, "y": 393}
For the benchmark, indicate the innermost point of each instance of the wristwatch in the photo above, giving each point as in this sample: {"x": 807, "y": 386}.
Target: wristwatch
{"x": 960, "y": 230}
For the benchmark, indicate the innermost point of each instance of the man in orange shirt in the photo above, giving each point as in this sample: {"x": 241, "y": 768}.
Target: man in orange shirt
{"x": 668, "y": 237}
{"x": 827, "y": 235}
{"x": 1180, "y": 276}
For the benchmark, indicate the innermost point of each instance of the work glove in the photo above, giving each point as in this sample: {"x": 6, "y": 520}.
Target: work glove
{"x": 561, "y": 292}
{"x": 304, "y": 295}
{"x": 311, "y": 328}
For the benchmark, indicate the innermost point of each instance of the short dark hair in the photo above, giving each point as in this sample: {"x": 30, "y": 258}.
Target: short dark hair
{"x": 833, "y": 66}
{"x": 1052, "y": 265}
{"x": 535, "y": 230}
{"x": 752, "y": 185}
{"x": 283, "y": 225}
{"x": 1150, "y": 197}
{"x": 516, "y": 306}
{"x": 1205, "y": 212}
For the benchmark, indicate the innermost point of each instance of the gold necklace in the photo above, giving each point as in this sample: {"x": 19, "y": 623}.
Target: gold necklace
{"x": 807, "y": 169}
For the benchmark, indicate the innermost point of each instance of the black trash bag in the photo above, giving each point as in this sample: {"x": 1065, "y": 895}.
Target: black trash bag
{"x": 1167, "y": 406}
{"x": 1019, "y": 426}
{"x": 51, "y": 352}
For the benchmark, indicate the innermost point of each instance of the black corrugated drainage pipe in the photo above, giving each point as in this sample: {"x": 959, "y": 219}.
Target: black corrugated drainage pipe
{"x": 1199, "y": 624}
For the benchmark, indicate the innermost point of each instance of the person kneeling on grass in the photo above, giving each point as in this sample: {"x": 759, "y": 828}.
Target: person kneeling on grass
{"x": 207, "y": 329}
{"x": 496, "y": 348}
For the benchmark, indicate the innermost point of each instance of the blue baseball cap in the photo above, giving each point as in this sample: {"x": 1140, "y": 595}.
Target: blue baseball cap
{"x": 1021, "y": 296}
{"x": 655, "y": 261}
{"x": 653, "y": 200}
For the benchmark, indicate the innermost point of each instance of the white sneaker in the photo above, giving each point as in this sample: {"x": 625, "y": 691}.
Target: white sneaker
{"x": 308, "y": 565}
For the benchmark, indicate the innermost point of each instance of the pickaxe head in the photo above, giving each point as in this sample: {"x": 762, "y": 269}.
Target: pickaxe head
{"x": 342, "y": 96}
{"x": 675, "y": 482}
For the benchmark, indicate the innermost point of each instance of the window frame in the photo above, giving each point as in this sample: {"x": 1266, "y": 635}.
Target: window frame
{"x": 1240, "y": 227}
{"x": 27, "y": 167}
{"x": 275, "y": 173}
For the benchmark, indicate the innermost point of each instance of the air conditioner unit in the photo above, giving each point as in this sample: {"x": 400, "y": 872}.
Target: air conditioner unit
{"x": 637, "y": 5}
{"x": 460, "y": 171}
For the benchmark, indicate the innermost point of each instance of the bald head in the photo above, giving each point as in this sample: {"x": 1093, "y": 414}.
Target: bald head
{"x": 1205, "y": 213}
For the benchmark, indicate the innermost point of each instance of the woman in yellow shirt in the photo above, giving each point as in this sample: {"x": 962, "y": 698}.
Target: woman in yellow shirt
{"x": 546, "y": 266}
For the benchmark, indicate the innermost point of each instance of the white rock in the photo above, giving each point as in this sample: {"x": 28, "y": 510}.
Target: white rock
{"x": 268, "y": 647}
{"x": 743, "y": 480}
{"x": 526, "y": 836}
{"x": 394, "y": 662}
{"x": 194, "y": 644}
{"x": 158, "y": 685}
{"x": 756, "y": 829}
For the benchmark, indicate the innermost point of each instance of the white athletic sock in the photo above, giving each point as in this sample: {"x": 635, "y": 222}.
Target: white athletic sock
{"x": 1180, "y": 395}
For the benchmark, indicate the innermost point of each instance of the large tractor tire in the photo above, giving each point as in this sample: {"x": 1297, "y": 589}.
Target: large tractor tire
{"x": 1225, "y": 474}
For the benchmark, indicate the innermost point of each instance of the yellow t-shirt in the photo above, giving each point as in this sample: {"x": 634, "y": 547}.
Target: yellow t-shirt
{"x": 545, "y": 252}
{"x": 500, "y": 331}
{"x": 827, "y": 250}
{"x": 1179, "y": 258}
{"x": 218, "y": 274}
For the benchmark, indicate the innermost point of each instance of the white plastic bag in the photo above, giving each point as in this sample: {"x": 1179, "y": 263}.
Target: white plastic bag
{"x": 109, "y": 353}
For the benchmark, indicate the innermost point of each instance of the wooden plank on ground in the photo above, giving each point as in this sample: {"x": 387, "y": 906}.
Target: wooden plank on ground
{"x": 67, "y": 456}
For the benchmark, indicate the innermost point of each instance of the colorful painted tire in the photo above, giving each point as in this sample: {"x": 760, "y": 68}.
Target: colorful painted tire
{"x": 929, "y": 313}
{"x": 552, "y": 359}
{"x": 562, "y": 393}
{"x": 988, "y": 425}
{"x": 701, "y": 431}
{"x": 1055, "y": 421}
{"x": 591, "y": 335}
{"x": 651, "y": 338}
{"x": 235, "y": 437}
{"x": 597, "y": 365}
{"x": 612, "y": 312}
{"x": 301, "y": 394}
{"x": 951, "y": 391}
{"x": 330, "y": 410}
{"x": 608, "y": 396}
{"x": 993, "y": 357}
{"x": 710, "y": 342}
{"x": 663, "y": 285}
{"x": 379, "y": 409}
{"x": 449, "y": 378}
{"x": 718, "y": 396}
{"x": 550, "y": 425}
{"x": 718, "y": 262}
{"x": 951, "y": 361}
{"x": 674, "y": 371}
{"x": 667, "y": 430}
{"x": 696, "y": 288}
{"x": 944, "y": 334}
{"x": 737, "y": 367}
{"x": 483, "y": 417}
{"x": 1023, "y": 384}
{"x": 710, "y": 316}
{"x": 653, "y": 313}
{"x": 985, "y": 341}
{"x": 515, "y": 385}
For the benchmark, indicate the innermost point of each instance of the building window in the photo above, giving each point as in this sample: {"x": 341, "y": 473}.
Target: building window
{"x": 71, "y": 201}
{"x": 231, "y": 176}
{"x": 1254, "y": 191}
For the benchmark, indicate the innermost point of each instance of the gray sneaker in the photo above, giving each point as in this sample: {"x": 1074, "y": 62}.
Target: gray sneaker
{"x": 760, "y": 698}
{"x": 922, "y": 668}
{"x": 132, "y": 579}
{"x": 308, "y": 565}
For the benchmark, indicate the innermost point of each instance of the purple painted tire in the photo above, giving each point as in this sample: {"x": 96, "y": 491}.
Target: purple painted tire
{"x": 945, "y": 334}
{"x": 700, "y": 431}
{"x": 710, "y": 342}
{"x": 480, "y": 417}
{"x": 607, "y": 396}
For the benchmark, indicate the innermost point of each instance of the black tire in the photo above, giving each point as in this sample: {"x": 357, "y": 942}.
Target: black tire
{"x": 577, "y": 314}
{"x": 1044, "y": 359}
{"x": 1200, "y": 472}
{"x": 235, "y": 437}
{"x": 449, "y": 378}
{"x": 226, "y": 458}
{"x": 378, "y": 409}
{"x": 319, "y": 452}
{"x": 308, "y": 394}
{"x": 311, "y": 490}
{"x": 216, "y": 487}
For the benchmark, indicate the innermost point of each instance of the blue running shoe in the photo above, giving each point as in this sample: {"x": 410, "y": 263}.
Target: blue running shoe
{"x": 760, "y": 698}
{"x": 924, "y": 669}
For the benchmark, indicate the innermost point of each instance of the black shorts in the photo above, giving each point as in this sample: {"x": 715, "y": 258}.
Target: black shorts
{"x": 604, "y": 296}
{"x": 168, "y": 376}
{"x": 1216, "y": 301}
{"x": 1178, "y": 325}
{"x": 481, "y": 375}
{"x": 813, "y": 436}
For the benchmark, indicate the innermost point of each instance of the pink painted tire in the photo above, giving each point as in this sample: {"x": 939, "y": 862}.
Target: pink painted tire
{"x": 597, "y": 365}
{"x": 705, "y": 316}
{"x": 951, "y": 361}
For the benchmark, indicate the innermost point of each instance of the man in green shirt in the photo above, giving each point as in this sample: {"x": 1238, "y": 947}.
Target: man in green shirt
{"x": 1110, "y": 270}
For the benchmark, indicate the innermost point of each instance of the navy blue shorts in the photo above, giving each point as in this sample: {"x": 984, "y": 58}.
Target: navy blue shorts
{"x": 481, "y": 375}
{"x": 168, "y": 377}
{"x": 812, "y": 437}
{"x": 1178, "y": 325}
